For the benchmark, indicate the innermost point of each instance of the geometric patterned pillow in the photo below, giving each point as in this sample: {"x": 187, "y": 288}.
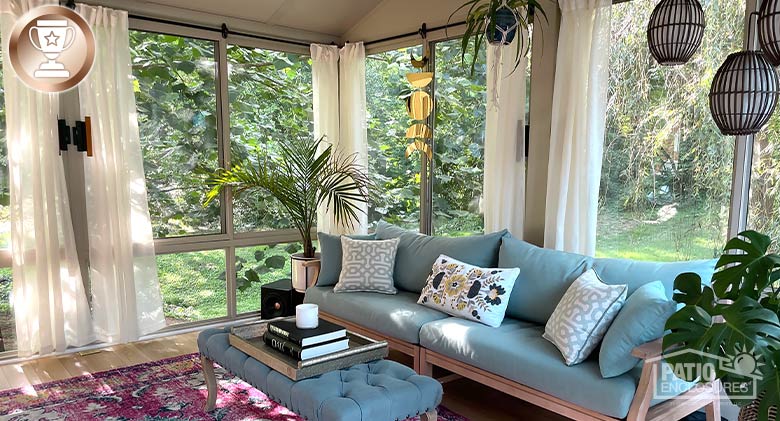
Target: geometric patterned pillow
{"x": 583, "y": 316}
{"x": 469, "y": 292}
{"x": 367, "y": 266}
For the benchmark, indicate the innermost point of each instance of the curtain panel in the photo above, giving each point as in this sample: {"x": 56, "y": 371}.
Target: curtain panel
{"x": 504, "y": 178}
{"x": 126, "y": 293}
{"x": 578, "y": 124}
{"x": 339, "y": 85}
{"x": 49, "y": 298}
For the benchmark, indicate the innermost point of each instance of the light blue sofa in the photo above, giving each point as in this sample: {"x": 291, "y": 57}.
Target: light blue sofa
{"x": 514, "y": 357}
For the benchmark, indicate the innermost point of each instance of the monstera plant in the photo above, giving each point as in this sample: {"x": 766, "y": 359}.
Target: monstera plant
{"x": 305, "y": 175}
{"x": 734, "y": 320}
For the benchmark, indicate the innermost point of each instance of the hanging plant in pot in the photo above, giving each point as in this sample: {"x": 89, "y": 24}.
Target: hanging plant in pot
{"x": 497, "y": 22}
{"x": 301, "y": 179}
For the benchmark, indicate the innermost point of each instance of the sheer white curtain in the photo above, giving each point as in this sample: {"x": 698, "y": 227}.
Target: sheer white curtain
{"x": 578, "y": 119}
{"x": 504, "y": 177}
{"x": 125, "y": 289}
{"x": 50, "y": 302}
{"x": 325, "y": 87}
{"x": 347, "y": 93}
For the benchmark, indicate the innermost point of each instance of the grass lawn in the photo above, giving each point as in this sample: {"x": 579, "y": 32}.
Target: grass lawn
{"x": 193, "y": 284}
{"x": 666, "y": 234}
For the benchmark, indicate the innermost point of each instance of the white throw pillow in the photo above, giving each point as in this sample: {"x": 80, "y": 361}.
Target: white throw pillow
{"x": 583, "y": 316}
{"x": 469, "y": 292}
{"x": 367, "y": 266}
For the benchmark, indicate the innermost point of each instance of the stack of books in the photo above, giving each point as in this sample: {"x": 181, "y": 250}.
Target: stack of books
{"x": 304, "y": 344}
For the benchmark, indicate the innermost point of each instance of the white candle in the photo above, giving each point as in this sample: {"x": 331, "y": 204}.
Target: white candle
{"x": 307, "y": 316}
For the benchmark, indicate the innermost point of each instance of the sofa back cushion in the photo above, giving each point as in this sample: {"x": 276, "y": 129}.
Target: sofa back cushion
{"x": 636, "y": 273}
{"x": 417, "y": 253}
{"x": 330, "y": 257}
{"x": 545, "y": 275}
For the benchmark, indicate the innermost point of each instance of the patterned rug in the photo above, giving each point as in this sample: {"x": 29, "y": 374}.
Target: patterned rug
{"x": 165, "y": 390}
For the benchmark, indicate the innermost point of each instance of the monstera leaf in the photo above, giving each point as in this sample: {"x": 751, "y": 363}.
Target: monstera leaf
{"x": 745, "y": 268}
{"x": 688, "y": 290}
{"x": 769, "y": 386}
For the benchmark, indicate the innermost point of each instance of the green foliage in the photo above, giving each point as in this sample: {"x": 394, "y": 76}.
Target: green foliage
{"x": 480, "y": 24}
{"x": 301, "y": 179}
{"x": 747, "y": 275}
{"x": 663, "y": 154}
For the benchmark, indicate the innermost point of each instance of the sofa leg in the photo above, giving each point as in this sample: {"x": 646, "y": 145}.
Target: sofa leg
{"x": 211, "y": 382}
{"x": 712, "y": 409}
{"x": 431, "y": 415}
{"x": 425, "y": 368}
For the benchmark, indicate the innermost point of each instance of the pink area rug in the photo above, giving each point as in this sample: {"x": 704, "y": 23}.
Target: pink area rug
{"x": 165, "y": 390}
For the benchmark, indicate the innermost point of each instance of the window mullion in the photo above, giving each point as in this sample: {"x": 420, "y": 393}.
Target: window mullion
{"x": 426, "y": 165}
{"x": 223, "y": 136}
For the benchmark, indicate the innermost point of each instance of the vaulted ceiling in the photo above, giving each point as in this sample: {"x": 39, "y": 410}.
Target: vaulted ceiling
{"x": 332, "y": 17}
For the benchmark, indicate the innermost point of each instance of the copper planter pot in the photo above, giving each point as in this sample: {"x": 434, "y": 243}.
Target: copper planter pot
{"x": 305, "y": 271}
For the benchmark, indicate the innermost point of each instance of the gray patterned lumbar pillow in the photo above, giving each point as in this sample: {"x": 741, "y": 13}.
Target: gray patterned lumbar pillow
{"x": 367, "y": 266}
{"x": 583, "y": 316}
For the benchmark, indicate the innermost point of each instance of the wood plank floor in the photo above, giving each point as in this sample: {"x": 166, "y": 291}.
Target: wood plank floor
{"x": 472, "y": 400}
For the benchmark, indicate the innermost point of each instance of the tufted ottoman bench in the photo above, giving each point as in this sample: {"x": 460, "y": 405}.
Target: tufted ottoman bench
{"x": 376, "y": 391}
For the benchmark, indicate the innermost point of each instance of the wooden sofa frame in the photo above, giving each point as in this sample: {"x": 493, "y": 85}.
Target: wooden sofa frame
{"x": 707, "y": 397}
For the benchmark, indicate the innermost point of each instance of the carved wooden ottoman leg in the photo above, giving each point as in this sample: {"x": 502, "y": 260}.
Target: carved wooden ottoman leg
{"x": 211, "y": 382}
{"x": 429, "y": 416}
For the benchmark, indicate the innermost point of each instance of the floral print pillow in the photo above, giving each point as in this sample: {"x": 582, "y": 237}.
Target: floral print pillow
{"x": 469, "y": 292}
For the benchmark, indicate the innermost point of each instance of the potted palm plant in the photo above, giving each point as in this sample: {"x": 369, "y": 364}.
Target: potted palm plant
{"x": 734, "y": 320}
{"x": 304, "y": 176}
{"x": 497, "y": 22}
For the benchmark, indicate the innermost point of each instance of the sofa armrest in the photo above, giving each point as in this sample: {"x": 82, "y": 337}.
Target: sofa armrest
{"x": 649, "y": 350}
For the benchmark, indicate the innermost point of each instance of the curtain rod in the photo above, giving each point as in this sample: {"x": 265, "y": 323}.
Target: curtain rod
{"x": 223, "y": 30}
{"x": 411, "y": 34}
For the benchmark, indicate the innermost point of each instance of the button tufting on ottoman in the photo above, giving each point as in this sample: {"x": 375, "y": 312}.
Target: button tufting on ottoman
{"x": 376, "y": 391}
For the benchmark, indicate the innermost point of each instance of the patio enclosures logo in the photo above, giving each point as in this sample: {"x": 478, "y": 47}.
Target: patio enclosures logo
{"x": 51, "y": 48}
{"x": 669, "y": 370}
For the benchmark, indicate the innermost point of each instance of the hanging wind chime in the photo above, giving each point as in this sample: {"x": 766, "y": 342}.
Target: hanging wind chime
{"x": 419, "y": 104}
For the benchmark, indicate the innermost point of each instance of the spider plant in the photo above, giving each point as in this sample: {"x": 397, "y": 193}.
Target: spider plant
{"x": 487, "y": 18}
{"x": 301, "y": 179}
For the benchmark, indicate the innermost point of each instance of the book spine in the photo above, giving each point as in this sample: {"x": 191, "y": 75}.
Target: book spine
{"x": 282, "y": 333}
{"x": 284, "y": 346}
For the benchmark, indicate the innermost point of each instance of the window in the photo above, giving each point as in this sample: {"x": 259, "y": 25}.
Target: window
{"x": 459, "y": 134}
{"x": 764, "y": 215}
{"x": 189, "y": 127}
{"x": 397, "y": 178}
{"x": 175, "y": 85}
{"x": 667, "y": 170}
{"x": 270, "y": 101}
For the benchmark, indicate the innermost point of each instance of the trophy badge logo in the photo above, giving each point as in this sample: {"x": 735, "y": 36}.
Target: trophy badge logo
{"x": 52, "y": 48}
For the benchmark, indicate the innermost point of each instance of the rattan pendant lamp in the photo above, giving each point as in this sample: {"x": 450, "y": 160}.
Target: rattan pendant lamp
{"x": 675, "y": 31}
{"x": 744, "y": 92}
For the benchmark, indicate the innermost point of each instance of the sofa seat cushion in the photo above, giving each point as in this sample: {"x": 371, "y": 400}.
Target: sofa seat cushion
{"x": 417, "y": 253}
{"x": 398, "y": 316}
{"x": 517, "y": 351}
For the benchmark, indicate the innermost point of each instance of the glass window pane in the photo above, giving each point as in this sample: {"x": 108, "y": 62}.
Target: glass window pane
{"x": 666, "y": 177}
{"x": 175, "y": 90}
{"x": 397, "y": 196}
{"x": 260, "y": 265}
{"x": 764, "y": 215}
{"x": 460, "y": 141}
{"x": 270, "y": 101}
{"x": 7, "y": 321}
{"x": 193, "y": 286}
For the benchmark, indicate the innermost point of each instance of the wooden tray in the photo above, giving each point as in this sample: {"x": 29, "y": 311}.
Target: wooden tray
{"x": 249, "y": 339}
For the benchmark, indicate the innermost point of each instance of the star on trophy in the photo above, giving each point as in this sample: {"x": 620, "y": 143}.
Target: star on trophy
{"x": 54, "y": 37}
